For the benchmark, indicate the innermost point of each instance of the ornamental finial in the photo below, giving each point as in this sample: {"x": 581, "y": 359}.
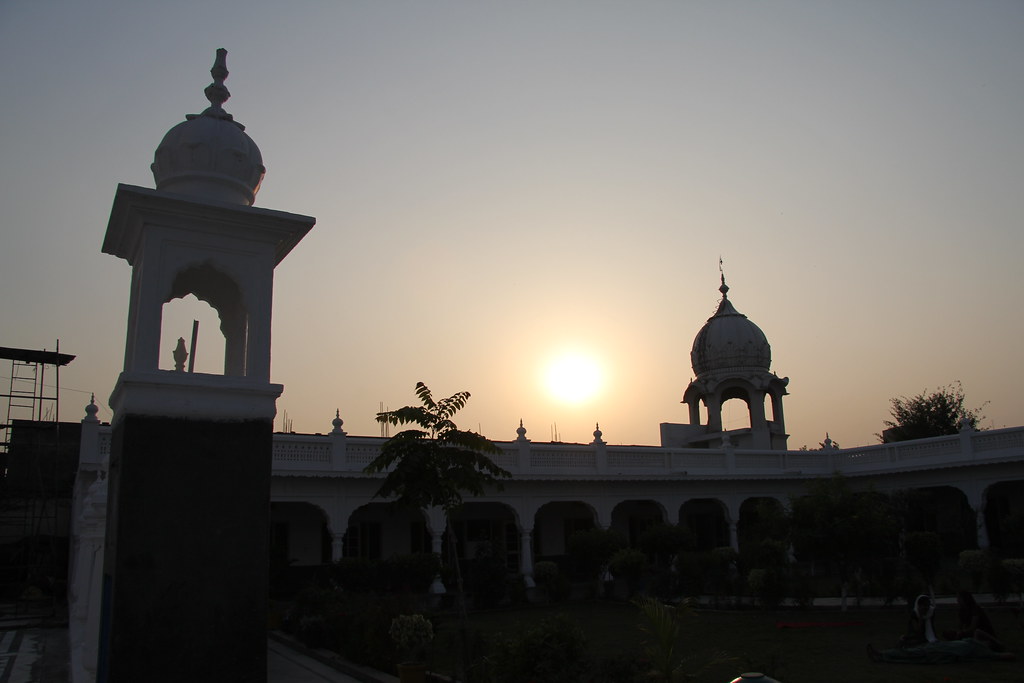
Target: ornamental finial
{"x": 217, "y": 93}
{"x": 724, "y": 289}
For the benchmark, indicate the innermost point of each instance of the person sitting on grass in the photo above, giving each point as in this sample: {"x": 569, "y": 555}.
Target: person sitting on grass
{"x": 973, "y": 623}
{"x": 920, "y": 629}
{"x": 940, "y": 652}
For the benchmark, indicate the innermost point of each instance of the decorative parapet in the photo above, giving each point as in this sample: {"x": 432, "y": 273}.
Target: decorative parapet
{"x": 315, "y": 455}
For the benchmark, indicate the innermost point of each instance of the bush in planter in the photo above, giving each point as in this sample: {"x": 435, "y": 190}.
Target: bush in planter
{"x": 362, "y": 629}
{"x": 411, "y": 634}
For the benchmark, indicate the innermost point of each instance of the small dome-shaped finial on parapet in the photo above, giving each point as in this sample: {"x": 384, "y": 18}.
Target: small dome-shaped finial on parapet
{"x": 337, "y": 422}
{"x": 597, "y": 433}
{"x": 91, "y": 410}
{"x": 521, "y": 431}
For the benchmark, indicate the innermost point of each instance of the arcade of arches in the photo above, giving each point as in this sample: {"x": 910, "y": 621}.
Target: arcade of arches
{"x": 303, "y": 534}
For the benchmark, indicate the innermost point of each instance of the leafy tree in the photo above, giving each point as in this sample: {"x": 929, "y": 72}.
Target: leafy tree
{"x": 924, "y": 552}
{"x": 435, "y": 463}
{"x": 628, "y": 564}
{"x": 833, "y": 524}
{"x": 592, "y": 549}
{"x": 939, "y": 413}
{"x": 664, "y": 541}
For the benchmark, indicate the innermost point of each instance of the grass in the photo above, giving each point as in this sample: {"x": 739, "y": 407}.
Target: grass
{"x": 753, "y": 641}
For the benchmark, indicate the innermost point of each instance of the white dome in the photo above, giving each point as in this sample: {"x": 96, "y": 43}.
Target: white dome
{"x": 208, "y": 155}
{"x": 729, "y": 341}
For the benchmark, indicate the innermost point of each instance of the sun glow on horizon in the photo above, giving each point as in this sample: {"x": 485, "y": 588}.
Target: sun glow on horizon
{"x": 573, "y": 377}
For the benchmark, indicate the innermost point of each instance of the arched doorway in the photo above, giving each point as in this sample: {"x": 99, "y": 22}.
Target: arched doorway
{"x": 706, "y": 518}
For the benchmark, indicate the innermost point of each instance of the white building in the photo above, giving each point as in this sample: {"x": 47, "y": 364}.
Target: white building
{"x": 323, "y": 505}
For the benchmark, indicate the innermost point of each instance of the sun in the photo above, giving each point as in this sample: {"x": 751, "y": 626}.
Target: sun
{"x": 573, "y": 377}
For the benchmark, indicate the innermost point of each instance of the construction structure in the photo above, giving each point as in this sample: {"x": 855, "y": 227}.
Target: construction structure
{"x": 38, "y": 459}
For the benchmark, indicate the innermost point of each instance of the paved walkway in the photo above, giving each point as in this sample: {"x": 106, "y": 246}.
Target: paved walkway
{"x": 39, "y": 654}
{"x": 286, "y": 665}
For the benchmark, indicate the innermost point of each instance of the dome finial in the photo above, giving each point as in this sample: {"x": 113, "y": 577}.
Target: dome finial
{"x": 217, "y": 93}
{"x": 724, "y": 289}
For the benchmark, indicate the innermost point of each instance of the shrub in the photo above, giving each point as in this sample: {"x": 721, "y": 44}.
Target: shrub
{"x": 1011, "y": 531}
{"x": 628, "y": 564}
{"x": 662, "y": 542}
{"x": 768, "y": 586}
{"x": 413, "y": 573}
{"x": 553, "y": 650}
{"x": 592, "y": 549}
{"x": 663, "y": 633}
{"x": 974, "y": 563}
{"x": 550, "y": 579}
{"x": 1015, "y": 571}
{"x": 411, "y": 634}
{"x": 486, "y": 576}
{"x": 362, "y": 630}
{"x": 924, "y": 551}
{"x": 357, "y": 574}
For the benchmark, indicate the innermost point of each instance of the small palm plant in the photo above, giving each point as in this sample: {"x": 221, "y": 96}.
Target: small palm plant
{"x": 664, "y": 642}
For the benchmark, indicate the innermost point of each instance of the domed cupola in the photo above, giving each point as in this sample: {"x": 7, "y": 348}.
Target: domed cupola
{"x": 729, "y": 341}
{"x": 208, "y": 155}
{"x": 731, "y": 358}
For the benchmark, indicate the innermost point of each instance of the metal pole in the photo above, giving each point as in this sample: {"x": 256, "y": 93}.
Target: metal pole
{"x": 192, "y": 349}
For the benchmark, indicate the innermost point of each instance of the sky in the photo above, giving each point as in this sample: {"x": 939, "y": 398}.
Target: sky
{"x": 500, "y": 183}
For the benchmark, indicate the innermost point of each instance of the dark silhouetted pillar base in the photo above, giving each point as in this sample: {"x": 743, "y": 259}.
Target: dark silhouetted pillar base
{"x": 186, "y": 554}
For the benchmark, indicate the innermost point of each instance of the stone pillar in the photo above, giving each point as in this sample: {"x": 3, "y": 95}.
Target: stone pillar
{"x": 186, "y": 561}
{"x": 761, "y": 439}
{"x": 186, "y": 557}
{"x": 337, "y": 545}
{"x": 714, "y": 404}
{"x": 85, "y": 584}
{"x": 526, "y": 556}
{"x": 976, "y": 497}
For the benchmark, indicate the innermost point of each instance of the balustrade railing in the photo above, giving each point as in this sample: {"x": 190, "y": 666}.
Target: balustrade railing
{"x": 341, "y": 455}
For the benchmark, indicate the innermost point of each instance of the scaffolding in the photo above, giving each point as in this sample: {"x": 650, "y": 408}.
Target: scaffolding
{"x": 34, "y": 492}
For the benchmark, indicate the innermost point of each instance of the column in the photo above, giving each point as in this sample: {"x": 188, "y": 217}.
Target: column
{"x": 526, "y": 556}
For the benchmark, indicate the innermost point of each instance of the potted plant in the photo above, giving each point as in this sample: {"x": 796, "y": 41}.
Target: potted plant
{"x": 411, "y": 633}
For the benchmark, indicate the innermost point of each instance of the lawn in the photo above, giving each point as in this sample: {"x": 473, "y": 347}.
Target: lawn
{"x": 832, "y": 649}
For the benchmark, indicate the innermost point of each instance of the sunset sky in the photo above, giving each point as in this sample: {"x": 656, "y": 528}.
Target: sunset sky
{"x": 499, "y": 183}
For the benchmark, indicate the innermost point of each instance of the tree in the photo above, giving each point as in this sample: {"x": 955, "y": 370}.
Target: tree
{"x": 434, "y": 465}
{"x": 592, "y": 549}
{"x": 662, "y": 542}
{"x": 833, "y": 524}
{"x": 939, "y": 413}
{"x": 923, "y": 550}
